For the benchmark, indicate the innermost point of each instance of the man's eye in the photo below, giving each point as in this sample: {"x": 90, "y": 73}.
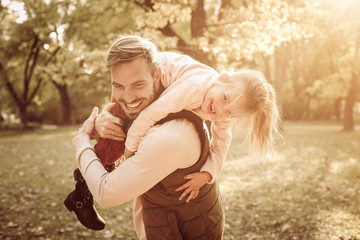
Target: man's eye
{"x": 138, "y": 85}
{"x": 118, "y": 86}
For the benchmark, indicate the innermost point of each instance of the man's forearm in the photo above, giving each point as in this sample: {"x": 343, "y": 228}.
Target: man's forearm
{"x": 161, "y": 152}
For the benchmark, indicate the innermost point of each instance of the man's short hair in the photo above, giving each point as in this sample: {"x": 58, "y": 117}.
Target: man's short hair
{"x": 128, "y": 48}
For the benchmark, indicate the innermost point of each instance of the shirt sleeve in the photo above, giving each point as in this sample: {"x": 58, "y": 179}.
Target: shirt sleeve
{"x": 219, "y": 147}
{"x": 177, "y": 97}
{"x": 165, "y": 148}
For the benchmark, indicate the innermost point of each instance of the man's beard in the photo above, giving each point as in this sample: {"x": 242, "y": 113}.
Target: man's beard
{"x": 132, "y": 116}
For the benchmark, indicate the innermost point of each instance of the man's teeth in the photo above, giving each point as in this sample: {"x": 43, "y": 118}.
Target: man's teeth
{"x": 133, "y": 105}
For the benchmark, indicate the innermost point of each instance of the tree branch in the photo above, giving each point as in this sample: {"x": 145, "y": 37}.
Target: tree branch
{"x": 27, "y": 63}
{"x": 52, "y": 56}
{"x": 35, "y": 90}
{"x": 27, "y": 74}
{"x": 147, "y": 5}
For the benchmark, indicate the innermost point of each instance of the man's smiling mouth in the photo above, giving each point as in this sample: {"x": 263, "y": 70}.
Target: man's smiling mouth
{"x": 132, "y": 106}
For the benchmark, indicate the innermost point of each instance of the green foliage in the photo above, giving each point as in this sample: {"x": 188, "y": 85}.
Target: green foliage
{"x": 306, "y": 49}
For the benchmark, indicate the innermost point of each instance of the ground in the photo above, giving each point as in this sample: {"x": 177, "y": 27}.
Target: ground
{"x": 309, "y": 190}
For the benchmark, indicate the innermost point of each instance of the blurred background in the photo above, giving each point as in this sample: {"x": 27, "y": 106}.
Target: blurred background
{"x": 52, "y": 52}
{"x": 52, "y": 72}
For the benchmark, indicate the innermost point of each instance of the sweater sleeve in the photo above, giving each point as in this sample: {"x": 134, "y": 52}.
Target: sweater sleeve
{"x": 219, "y": 147}
{"x": 165, "y": 148}
{"x": 177, "y": 97}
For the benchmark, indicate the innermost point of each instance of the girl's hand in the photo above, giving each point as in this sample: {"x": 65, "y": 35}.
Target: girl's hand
{"x": 89, "y": 125}
{"x": 192, "y": 187}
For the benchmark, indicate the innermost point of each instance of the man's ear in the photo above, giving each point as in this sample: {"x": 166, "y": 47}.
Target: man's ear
{"x": 157, "y": 77}
{"x": 223, "y": 77}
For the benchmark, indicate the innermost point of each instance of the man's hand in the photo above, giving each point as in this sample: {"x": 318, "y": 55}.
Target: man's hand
{"x": 109, "y": 126}
{"x": 192, "y": 187}
{"x": 88, "y": 126}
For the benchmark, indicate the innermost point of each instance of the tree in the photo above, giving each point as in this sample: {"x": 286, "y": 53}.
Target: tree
{"x": 299, "y": 46}
{"x": 26, "y": 37}
{"x": 354, "y": 88}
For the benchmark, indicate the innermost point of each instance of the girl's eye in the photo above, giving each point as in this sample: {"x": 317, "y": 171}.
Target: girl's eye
{"x": 225, "y": 98}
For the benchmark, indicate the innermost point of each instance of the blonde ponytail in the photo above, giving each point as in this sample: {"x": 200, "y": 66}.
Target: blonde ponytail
{"x": 256, "y": 105}
{"x": 264, "y": 116}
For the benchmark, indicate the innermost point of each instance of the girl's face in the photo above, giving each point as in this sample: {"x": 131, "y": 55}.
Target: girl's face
{"x": 214, "y": 101}
{"x": 219, "y": 105}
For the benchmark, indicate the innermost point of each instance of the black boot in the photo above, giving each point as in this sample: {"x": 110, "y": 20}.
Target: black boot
{"x": 82, "y": 203}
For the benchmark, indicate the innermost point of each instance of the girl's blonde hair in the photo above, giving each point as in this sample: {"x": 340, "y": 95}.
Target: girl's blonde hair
{"x": 256, "y": 99}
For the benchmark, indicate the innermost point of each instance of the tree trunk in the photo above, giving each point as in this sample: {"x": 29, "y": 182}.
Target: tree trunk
{"x": 23, "y": 116}
{"x": 223, "y": 6}
{"x": 198, "y": 23}
{"x": 23, "y": 99}
{"x": 267, "y": 70}
{"x": 353, "y": 90}
{"x": 350, "y": 102}
{"x": 198, "y": 19}
{"x": 337, "y": 109}
{"x": 65, "y": 103}
{"x": 281, "y": 65}
{"x": 19, "y": 103}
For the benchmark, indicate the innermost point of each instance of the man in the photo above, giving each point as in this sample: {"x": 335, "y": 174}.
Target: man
{"x": 173, "y": 148}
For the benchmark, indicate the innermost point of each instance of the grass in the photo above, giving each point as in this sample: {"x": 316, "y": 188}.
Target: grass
{"x": 309, "y": 191}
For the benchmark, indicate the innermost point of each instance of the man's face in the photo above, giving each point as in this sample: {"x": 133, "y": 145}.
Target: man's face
{"x": 133, "y": 86}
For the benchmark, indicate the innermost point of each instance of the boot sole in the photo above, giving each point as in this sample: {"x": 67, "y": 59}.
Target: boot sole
{"x": 68, "y": 205}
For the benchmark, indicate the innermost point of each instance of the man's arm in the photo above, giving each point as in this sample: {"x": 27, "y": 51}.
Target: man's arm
{"x": 164, "y": 149}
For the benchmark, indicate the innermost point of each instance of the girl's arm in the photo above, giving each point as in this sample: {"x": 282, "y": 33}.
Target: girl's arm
{"x": 178, "y": 96}
{"x": 219, "y": 147}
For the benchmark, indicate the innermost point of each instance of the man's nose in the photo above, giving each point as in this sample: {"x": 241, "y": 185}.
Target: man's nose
{"x": 129, "y": 96}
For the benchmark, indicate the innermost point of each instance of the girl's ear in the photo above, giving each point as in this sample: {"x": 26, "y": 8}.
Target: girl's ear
{"x": 223, "y": 77}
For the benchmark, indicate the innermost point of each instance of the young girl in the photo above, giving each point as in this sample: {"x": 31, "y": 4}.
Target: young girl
{"x": 222, "y": 99}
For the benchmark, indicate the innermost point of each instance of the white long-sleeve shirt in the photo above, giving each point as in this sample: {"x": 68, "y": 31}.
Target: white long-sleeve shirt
{"x": 164, "y": 148}
{"x": 186, "y": 82}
